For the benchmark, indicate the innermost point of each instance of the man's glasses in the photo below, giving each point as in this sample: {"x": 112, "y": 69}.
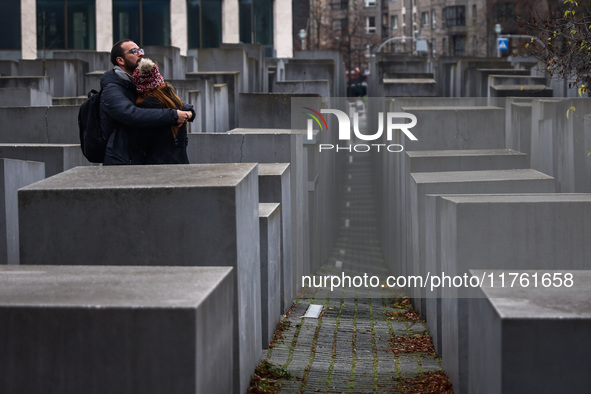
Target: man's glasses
{"x": 136, "y": 51}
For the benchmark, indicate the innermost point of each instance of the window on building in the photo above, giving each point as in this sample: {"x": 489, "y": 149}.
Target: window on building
{"x": 339, "y": 4}
{"x": 394, "y": 22}
{"x": 147, "y": 22}
{"x": 434, "y": 47}
{"x": 370, "y": 24}
{"x": 433, "y": 19}
{"x": 424, "y": 19}
{"x": 204, "y": 23}
{"x": 459, "y": 45}
{"x": 65, "y": 24}
{"x": 370, "y": 3}
{"x": 256, "y": 22}
{"x": 504, "y": 12}
{"x": 455, "y": 16}
{"x": 336, "y": 26}
{"x": 474, "y": 12}
{"x": 10, "y": 19}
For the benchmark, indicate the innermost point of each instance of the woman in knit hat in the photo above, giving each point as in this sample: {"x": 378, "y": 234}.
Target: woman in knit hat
{"x": 166, "y": 145}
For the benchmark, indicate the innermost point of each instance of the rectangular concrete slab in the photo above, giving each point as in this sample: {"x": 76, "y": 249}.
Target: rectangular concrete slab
{"x": 266, "y": 146}
{"x": 274, "y": 187}
{"x": 179, "y": 215}
{"x": 111, "y": 329}
{"x": 458, "y": 182}
{"x": 531, "y": 339}
{"x": 57, "y": 157}
{"x": 465, "y": 160}
{"x": 540, "y": 231}
{"x": 14, "y": 174}
{"x": 270, "y": 230}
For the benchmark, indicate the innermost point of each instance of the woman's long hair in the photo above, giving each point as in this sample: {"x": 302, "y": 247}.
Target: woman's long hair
{"x": 168, "y": 97}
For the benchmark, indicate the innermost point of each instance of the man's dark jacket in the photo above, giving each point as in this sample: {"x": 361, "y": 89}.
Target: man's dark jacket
{"x": 124, "y": 120}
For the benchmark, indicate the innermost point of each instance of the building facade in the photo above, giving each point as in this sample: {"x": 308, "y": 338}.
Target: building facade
{"x": 32, "y": 26}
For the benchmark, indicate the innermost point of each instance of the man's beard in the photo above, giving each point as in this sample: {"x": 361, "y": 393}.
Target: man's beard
{"x": 129, "y": 65}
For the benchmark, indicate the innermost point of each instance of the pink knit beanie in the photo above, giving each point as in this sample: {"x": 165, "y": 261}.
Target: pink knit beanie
{"x": 147, "y": 76}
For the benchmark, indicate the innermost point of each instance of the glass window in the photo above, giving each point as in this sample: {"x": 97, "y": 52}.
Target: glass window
{"x": 10, "y": 18}
{"x": 459, "y": 43}
{"x": 81, "y": 28}
{"x": 455, "y": 16}
{"x": 204, "y": 24}
{"x": 370, "y": 24}
{"x": 65, "y": 24}
{"x": 256, "y": 21}
{"x": 424, "y": 19}
{"x": 394, "y": 22}
{"x": 147, "y": 22}
{"x": 433, "y": 19}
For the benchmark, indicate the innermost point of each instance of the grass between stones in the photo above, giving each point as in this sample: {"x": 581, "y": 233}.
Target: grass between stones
{"x": 407, "y": 338}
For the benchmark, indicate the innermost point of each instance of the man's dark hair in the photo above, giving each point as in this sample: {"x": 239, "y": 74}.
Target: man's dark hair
{"x": 117, "y": 51}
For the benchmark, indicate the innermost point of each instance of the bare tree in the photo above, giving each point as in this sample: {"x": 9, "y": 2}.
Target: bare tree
{"x": 564, "y": 41}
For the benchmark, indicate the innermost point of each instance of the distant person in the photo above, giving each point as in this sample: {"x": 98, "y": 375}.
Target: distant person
{"x": 121, "y": 117}
{"x": 164, "y": 144}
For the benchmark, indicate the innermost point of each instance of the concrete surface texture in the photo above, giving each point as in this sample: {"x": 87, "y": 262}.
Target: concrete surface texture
{"x": 116, "y": 329}
{"x": 14, "y": 174}
{"x": 509, "y": 324}
{"x": 123, "y": 216}
{"x": 546, "y": 231}
{"x": 57, "y": 157}
{"x": 270, "y": 236}
{"x": 275, "y": 187}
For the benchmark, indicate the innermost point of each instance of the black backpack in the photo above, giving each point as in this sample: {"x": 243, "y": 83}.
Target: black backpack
{"x": 92, "y": 140}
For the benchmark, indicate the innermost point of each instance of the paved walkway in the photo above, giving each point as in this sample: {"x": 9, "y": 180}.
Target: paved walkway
{"x": 349, "y": 348}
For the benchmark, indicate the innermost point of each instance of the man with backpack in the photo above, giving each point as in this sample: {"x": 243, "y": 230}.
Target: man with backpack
{"x": 119, "y": 114}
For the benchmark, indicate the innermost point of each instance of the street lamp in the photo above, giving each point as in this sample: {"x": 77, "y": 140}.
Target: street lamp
{"x": 498, "y": 30}
{"x": 302, "y": 35}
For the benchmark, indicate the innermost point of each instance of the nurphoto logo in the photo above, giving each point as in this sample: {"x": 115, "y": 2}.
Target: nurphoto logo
{"x": 394, "y": 121}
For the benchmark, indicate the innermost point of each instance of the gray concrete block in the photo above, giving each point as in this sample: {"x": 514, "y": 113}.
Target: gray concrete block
{"x": 463, "y": 160}
{"x": 571, "y": 148}
{"x": 256, "y": 53}
{"x": 206, "y": 91}
{"x": 312, "y": 70}
{"x": 53, "y": 124}
{"x": 513, "y": 232}
{"x": 518, "y": 126}
{"x": 96, "y": 60}
{"x": 438, "y": 128}
{"x": 189, "y": 215}
{"x": 321, "y": 87}
{"x": 266, "y": 146}
{"x": 483, "y": 74}
{"x": 26, "y": 97}
{"x": 267, "y": 110}
{"x": 458, "y": 182}
{"x": 116, "y": 329}
{"x": 520, "y": 91}
{"x": 67, "y": 75}
{"x": 228, "y": 59}
{"x": 221, "y": 114}
{"x": 232, "y": 80}
{"x": 270, "y": 235}
{"x": 43, "y": 84}
{"x": 516, "y": 80}
{"x": 275, "y": 187}
{"x": 57, "y": 157}
{"x": 409, "y": 87}
{"x": 530, "y": 339}
{"x": 14, "y": 174}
